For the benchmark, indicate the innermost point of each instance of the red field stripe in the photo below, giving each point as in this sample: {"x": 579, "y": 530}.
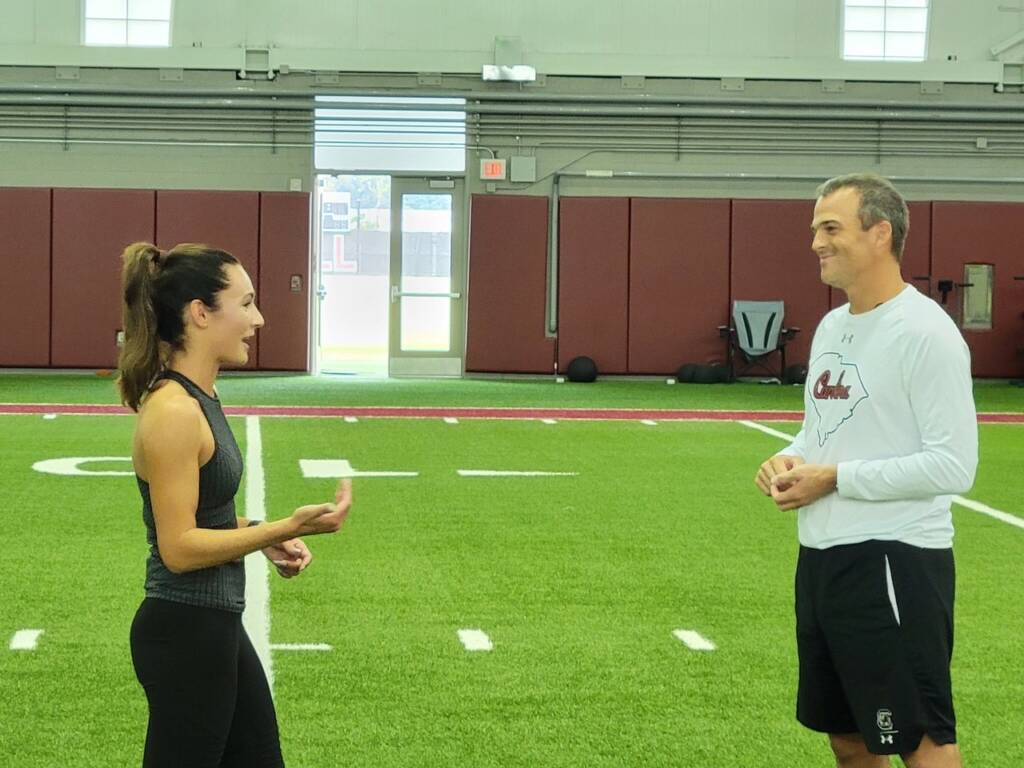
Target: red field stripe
{"x": 1001, "y": 418}
{"x": 396, "y": 412}
{"x": 14, "y": 409}
{"x": 603, "y": 414}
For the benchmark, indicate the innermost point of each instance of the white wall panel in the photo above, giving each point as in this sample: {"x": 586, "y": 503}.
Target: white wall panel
{"x": 776, "y": 38}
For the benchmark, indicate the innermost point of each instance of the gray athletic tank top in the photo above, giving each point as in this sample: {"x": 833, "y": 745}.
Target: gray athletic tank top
{"x": 222, "y": 586}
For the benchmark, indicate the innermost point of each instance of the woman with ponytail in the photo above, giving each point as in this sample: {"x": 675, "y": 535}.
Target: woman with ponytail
{"x": 187, "y": 312}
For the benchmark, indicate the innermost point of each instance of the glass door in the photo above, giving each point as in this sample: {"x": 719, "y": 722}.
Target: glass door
{"x": 427, "y": 278}
{"x": 353, "y": 243}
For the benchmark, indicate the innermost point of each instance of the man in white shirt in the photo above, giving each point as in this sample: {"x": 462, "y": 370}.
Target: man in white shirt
{"x": 889, "y": 435}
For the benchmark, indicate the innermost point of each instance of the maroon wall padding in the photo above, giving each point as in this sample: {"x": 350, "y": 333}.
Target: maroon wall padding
{"x": 25, "y": 284}
{"x": 917, "y": 252}
{"x": 593, "y": 281}
{"x": 508, "y": 249}
{"x": 678, "y": 282}
{"x": 284, "y": 253}
{"x": 984, "y": 233}
{"x": 91, "y": 228}
{"x": 772, "y": 259}
{"x": 225, "y": 220}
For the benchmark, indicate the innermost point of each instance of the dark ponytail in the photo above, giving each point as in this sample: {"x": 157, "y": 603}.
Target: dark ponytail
{"x": 157, "y": 288}
{"x": 139, "y": 361}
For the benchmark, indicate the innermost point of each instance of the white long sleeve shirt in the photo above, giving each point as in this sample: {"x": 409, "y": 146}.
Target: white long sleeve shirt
{"x": 888, "y": 401}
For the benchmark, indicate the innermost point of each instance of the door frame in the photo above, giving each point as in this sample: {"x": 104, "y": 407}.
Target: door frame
{"x": 450, "y": 362}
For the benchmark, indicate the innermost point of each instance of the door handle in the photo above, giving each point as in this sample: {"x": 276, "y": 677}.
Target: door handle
{"x": 947, "y": 286}
{"x": 397, "y": 293}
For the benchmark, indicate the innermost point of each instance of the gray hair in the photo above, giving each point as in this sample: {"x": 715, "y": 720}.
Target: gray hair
{"x": 879, "y": 201}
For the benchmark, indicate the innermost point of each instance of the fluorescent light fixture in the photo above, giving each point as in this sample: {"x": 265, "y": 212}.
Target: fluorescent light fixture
{"x": 517, "y": 73}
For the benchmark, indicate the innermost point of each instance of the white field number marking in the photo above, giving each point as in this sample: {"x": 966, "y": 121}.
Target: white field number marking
{"x": 337, "y": 468}
{"x": 72, "y": 466}
{"x": 694, "y": 640}
{"x": 25, "y": 639}
{"x": 475, "y": 640}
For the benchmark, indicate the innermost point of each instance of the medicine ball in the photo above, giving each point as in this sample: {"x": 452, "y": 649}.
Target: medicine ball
{"x": 582, "y": 369}
{"x": 686, "y": 373}
{"x": 794, "y": 374}
{"x": 705, "y": 374}
{"x": 721, "y": 373}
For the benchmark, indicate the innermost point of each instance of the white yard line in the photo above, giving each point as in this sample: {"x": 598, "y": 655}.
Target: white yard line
{"x": 300, "y": 647}
{"x": 649, "y": 422}
{"x": 475, "y": 640}
{"x": 511, "y": 473}
{"x": 767, "y": 430}
{"x": 548, "y": 421}
{"x": 694, "y": 640}
{"x": 977, "y": 506}
{"x": 351, "y": 420}
{"x": 985, "y": 509}
{"x": 256, "y": 617}
{"x": 450, "y": 420}
{"x": 25, "y": 639}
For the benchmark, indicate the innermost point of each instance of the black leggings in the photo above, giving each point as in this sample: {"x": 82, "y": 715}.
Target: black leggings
{"x": 209, "y": 702}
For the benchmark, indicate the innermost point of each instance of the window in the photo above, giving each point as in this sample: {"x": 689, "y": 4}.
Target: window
{"x": 885, "y": 30}
{"x": 977, "y": 311}
{"x": 137, "y": 23}
{"x": 391, "y": 134}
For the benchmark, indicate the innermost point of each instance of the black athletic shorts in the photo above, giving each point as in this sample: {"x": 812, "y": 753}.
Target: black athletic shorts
{"x": 874, "y": 626}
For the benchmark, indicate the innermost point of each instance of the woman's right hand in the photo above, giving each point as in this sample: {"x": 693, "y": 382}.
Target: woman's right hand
{"x": 324, "y": 518}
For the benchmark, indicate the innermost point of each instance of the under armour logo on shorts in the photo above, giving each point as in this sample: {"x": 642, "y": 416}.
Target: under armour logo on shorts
{"x": 884, "y": 720}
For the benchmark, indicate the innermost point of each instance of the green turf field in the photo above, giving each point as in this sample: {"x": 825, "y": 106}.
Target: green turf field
{"x": 251, "y": 389}
{"x": 579, "y": 582}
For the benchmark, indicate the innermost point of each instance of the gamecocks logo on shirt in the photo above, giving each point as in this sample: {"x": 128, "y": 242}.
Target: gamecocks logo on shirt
{"x": 836, "y": 390}
{"x": 824, "y": 390}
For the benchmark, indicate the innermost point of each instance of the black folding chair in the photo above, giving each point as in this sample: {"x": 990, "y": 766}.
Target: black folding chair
{"x": 756, "y": 334}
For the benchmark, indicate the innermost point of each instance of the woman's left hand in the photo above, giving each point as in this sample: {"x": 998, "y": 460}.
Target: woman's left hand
{"x": 289, "y": 557}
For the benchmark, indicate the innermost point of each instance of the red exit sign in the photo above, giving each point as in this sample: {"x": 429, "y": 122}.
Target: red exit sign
{"x": 493, "y": 169}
